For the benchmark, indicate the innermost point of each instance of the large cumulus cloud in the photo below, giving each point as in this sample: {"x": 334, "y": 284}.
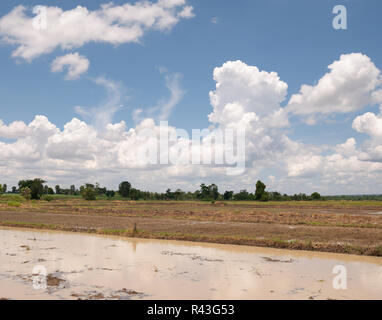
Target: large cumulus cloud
{"x": 244, "y": 97}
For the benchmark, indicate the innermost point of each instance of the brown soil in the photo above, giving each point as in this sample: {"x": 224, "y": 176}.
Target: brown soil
{"x": 53, "y": 281}
{"x": 338, "y": 227}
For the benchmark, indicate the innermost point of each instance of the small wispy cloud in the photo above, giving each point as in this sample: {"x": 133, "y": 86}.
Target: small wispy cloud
{"x": 103, "y": 114}
{"x": 176, "y": 94}
{"x": 165, "y": 106}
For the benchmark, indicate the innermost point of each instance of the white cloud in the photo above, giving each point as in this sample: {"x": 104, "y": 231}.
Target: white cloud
{"x": 100, "y": 150}
{"x": 246, "y": 97}
{"x": 351, "y": 85}
{"x": 176, "y": 94}
{"x": 75, "y": 63}
{"x": 304, "y": 165}
{"x": 165, "y": 106}
{"x": 16, "y": 129}
{"x": 255, "y": 92}
{"x": 102, "y": 115}
{"x": 370, "y": 124}
{"x": 114, "y": 24}
{"x": 187, "y": 12}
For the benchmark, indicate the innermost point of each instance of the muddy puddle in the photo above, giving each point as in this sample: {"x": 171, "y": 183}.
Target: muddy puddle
{"x": 79, "y": 266}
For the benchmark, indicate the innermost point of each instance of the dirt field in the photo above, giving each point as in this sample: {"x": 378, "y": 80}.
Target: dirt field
{"x": 338, "y": 226}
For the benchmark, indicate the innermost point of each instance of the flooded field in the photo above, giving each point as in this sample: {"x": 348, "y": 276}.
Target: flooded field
{"x": 80, "y": 266}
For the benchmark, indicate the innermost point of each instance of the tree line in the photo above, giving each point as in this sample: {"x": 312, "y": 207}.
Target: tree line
{"x": 37, "y": 189}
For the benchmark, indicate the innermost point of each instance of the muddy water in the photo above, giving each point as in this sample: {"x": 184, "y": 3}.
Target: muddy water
{"x": 96, "y": 267}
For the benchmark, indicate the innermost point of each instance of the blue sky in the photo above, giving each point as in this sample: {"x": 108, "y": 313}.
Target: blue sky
{"x": 293, "y": 38}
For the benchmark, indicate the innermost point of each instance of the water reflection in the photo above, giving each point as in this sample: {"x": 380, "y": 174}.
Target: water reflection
{"x": 97, "y": 267}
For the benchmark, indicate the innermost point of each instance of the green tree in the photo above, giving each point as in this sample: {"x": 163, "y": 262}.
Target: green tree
{"x": 89, "y": 193}
{"x": 110, "y": 194}
{"x": 204, "y": 192}
{"x": 35, "y": 186}
{"x": 4, "y": 188}
{"x": 228, "y": 195}
{"x": 169, "y": 194}
{"x": 58, "y": 189}
{"x": 135, "y": 194}
{"x": 124, "y": 189}
{"x": 316, "y": 196}
{"x": 264, "y": 197}
{"x": 243, "y": 195}
{"x": 214, "y": 191}
{"x": 260, "y": 190}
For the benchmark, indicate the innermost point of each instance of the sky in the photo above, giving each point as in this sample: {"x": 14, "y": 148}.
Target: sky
{"x": 77, "y": 88}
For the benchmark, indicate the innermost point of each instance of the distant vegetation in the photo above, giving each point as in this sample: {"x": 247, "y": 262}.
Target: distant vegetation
{"x": 36, "y": 189}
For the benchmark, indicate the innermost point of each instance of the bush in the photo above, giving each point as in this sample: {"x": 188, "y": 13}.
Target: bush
{"x": 14, "y": 204}
{"x": 26, "y": 193}
{"x": 110, "y": 194}
{"x": 89, "y": 194}
{"x": 47, "y": 198}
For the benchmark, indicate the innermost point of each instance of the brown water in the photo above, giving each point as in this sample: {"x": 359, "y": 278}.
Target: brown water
{"x": 94, "y": 267}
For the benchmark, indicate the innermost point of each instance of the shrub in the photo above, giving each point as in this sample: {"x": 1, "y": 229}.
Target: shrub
{"x": 26, "y": 193}
{"x": 14, "y": 204}
{"x": 110, "y": 194}
{"x": 47, "y": 198}
{"x": 89, "y": 194}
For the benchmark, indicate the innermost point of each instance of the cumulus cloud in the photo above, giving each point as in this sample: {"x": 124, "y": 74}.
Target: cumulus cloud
{"x": 253, "y": 92}
{"x": 248, "y": 98}
{"x": 16, "y": 129}
{"x": 371, "y": 125}
{"x": 75, "y": 63}
{"x": 352, "y": 84}
{"x": 114, "y": 24}
{"x": 98, "y": 149}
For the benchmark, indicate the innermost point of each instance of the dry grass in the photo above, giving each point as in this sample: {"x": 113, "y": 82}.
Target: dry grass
{"x": 336, "y": 226}
{"x": 328, "y": 213}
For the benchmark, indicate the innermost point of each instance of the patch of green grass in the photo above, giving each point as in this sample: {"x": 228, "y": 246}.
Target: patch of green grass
{"x": 28, "y": 225}
{"x": 114, "y": 232}
{"x": 47, "y": 198}
{"x": 14, "y": 204}
{"x": 5, "y": 198}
